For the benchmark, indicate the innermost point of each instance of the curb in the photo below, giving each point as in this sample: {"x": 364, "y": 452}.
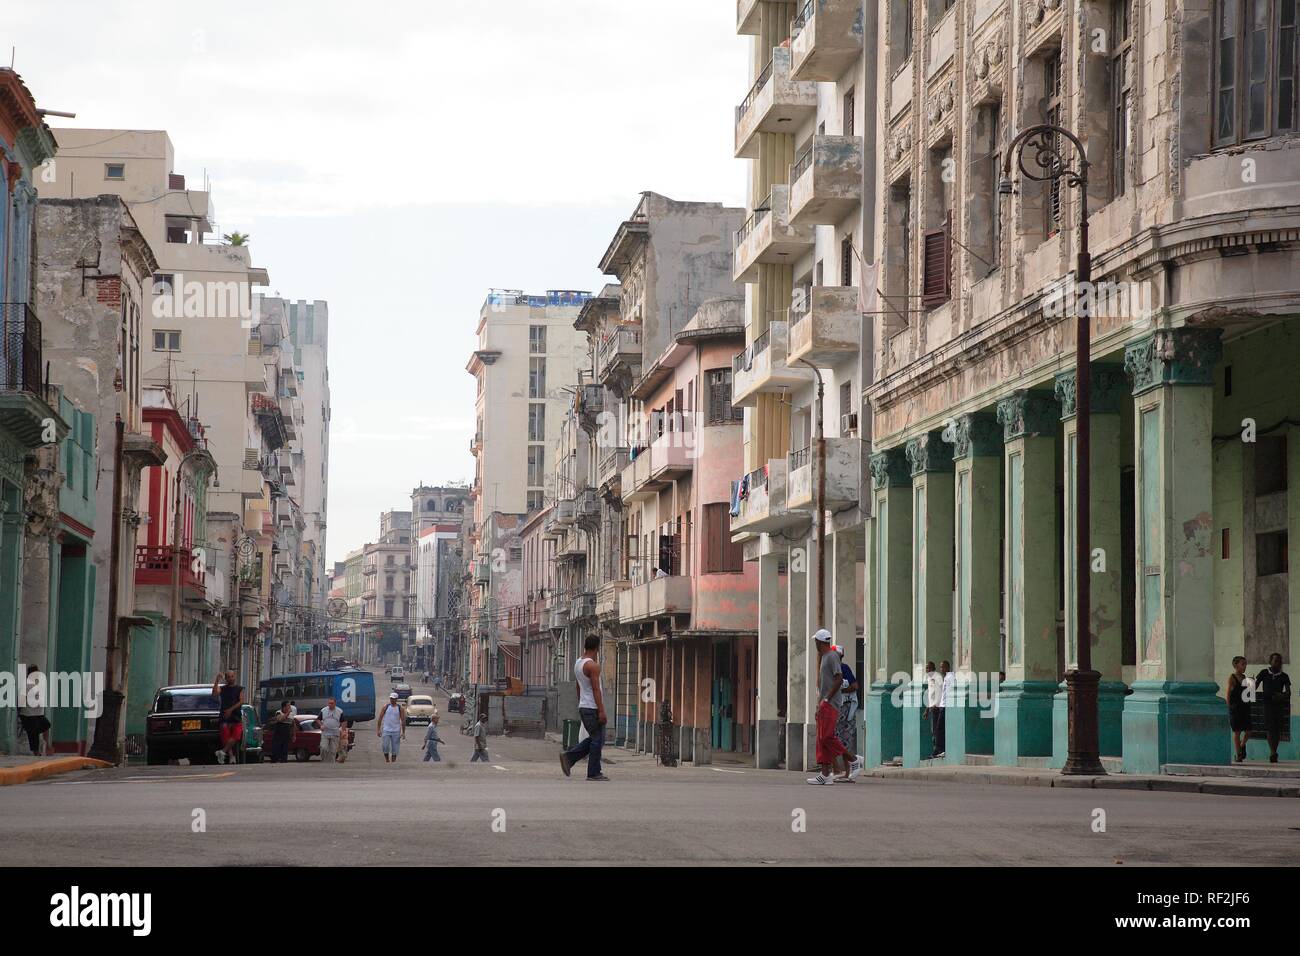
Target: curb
{"x": 49, "y": 768}
{"x": 1217, "y": 787}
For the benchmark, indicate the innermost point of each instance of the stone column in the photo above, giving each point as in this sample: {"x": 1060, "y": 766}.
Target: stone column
{"x": 890, "y": 594}
{"x": 977, "y": 464}
{"x": 930, "y": 461}
{"x": 797, "y": 638}
{"x": 1023, "y": 725}
{"x": 767, "y": 727}
{"x": 846, "y": 546}
{"x": 1174, "y": 714}
{"x": 1105, "y": 569}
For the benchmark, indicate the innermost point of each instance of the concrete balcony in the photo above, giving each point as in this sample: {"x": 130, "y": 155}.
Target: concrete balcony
{"x": 829, "y": 327}
{"x": 582, "y": 606}
{"x": 482, "y": 570}
{"x": 659, "y": 597}
{"x": 826, "y": 38}
{"x": 610, "y": 465}
{"x": 764, "y": 367}
{"x": 607, "y": 598}
{"x": 768, "y": 237}
{"x": 747, "y": 17}
{"x": 587, "y": 504}
{"x": 826, "y": 181}
{"x": 564, "y": 512}
{"x": 764, "y": 509}
{"x": 846, "y": 463}
{"x": 776, "y": 103}
{"x": 669, "y": 457}
{"x": 619, "y": 354}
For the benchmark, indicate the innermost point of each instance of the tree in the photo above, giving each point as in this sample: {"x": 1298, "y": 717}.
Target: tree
{"x": 236, "y": 238}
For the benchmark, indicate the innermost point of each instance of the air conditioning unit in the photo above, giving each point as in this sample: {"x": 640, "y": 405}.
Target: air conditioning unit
{"x": 849, "y": 423}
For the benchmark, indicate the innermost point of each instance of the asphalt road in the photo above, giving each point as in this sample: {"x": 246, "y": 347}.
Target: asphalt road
{"x": 519, "y": 809}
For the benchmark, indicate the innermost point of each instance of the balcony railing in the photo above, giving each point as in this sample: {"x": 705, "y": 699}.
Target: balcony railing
{"x": 826, "y": 180}
{"x": 761, "y": 212}
{"x": 20, "y": 369}
{"x": 764, "y": 75}
{"x": 826, "y": 38}
{"x": 153, "y": 566}
{"x": 802, "y": 164}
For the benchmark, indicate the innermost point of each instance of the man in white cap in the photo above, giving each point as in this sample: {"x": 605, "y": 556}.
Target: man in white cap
{"x": 830, "y": 697}
{"x": 392, "y": 727}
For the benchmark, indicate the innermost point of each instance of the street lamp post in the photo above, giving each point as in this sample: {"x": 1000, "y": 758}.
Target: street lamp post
{"x": 1049, "y": 164}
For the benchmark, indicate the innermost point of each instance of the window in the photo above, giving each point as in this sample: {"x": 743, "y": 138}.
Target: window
{"x": 166, "y": 341}
{"x": 537, "y": 339}
{"x": 537, "y": 422}
{"x": 162, "y": 283}
{"x": 534, "y": 501}
{"x": 537, "y": 378}
{"x": 899, "y": 279}
{"x": 1121, "y": 95}
{"x": 720, "y": 554}
{"x": 115, "y": 171}
{"x": 846, "y": 398}
{"x": 846, "y": 261}
{"x": 388, "y": 583}
{"x": 936, "y": 264}
{"x": 849, "y": 98}
{"x": 534, "y": 465}
{"x": 388, "y": 609}
{"x": 1052, "y": 116}
{"x": 720, "y": 408}
{"x": 1255, "y": 69}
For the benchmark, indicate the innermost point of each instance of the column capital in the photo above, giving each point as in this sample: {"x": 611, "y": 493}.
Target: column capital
{"x": 1106, "y": 385}
{"x": 976, "y": 436}
{"x": 1182, "y": 356}
{"x": 929, "y": 453}
{"x": 889, "y": 469}
{"x": 1027, "y": 414}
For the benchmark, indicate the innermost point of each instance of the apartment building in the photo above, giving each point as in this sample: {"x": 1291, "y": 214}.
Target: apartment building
{"x": 688, "y": 615}
{"x": 437, "y": 513}
{"x": 805, "y": 255}
{"x": 1187, "y": 125}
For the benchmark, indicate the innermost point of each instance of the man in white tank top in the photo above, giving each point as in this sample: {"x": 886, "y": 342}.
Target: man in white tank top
{"x": 591, "y": 708}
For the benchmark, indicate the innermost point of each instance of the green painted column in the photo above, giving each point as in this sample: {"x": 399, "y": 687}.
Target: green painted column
{"x": 797, "y": 637}
{"x": 1174, "y": 714}
{"x": 1107, "y": 388}
{"x": 930, "y": 463}
{"x": 11, "y": 550}
{"x": 1023, "y": 725}
{"x": 977, "y": 490}
{"x": 890, "y": 588}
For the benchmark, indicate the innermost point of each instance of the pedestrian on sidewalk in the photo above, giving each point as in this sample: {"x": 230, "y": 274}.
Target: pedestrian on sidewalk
{"x": 591, "y": 710}
{"x": 1273, "y": 687}
{"x": 1240, "y": 689}
{"x": 480, "y": 741}
{"x": 844, "y": 727}
{"x": 392, "y": 727}
{"x": 939, "y": 723}
{"x": 331, "y": 726}
{"x": 32, "y": 715}
{"x": 345, "y": 740}
{"x": 431, "y": 741}
{"x": 281, "y": 729}
{"x": 933, "y": 688}
{"x": 230, "y": 701}
{"x": 830, "y": 697}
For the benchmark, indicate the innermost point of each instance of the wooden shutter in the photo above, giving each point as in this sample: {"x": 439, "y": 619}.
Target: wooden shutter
{"x": 936, "y": 263}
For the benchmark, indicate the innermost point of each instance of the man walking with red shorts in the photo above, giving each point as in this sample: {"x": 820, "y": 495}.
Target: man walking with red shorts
{"x": 830, "y": 698}
{"x": 231, "y": 697}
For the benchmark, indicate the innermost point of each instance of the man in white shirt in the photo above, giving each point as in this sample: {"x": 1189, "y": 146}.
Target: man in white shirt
{"x": 946, "y": 693}
{"x": 331, "y": 723}
{"x": 32, "y": 715}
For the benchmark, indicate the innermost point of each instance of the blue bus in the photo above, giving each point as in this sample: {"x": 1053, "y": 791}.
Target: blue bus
{"x": 352, "y": 690}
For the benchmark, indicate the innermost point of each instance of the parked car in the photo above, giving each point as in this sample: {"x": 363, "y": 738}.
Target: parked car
{"x": 396, "y": 674}
{"x": 456, "y": 704}
{"x": 420, "y": 709}
{"x": 305, "y": 742}
{"x": 183, "y": 723}
{"x": 403, "y": 691}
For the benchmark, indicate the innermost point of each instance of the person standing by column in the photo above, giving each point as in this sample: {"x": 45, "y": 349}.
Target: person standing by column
{"x": 829, "y": 746}
{"x": 331, "y": 725}
{"x": 1273, "y": 688}
{"x": 947, "y": 691}
{"x": 392, "y": 727}
{"x": 591, "y": 709}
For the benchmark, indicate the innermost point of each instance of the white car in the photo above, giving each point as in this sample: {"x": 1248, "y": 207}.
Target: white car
{"x": 420, "y": 709}
{"x": 396, "y": 674}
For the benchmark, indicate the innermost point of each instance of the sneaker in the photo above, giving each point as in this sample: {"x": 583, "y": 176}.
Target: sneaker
{"x": 599, "y": 776}
{"x": 941, "y": 754}
{"x": 564, "y": 763}
{"x": 855, "y": 768}
{"x": 821, "y": 780}
{"x": 221, "y": 756}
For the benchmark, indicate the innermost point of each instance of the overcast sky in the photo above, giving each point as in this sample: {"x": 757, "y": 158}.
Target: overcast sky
{"x": 400, "y": 158}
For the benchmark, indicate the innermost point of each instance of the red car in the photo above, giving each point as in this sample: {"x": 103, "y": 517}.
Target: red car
{"x": 305, "y": 742}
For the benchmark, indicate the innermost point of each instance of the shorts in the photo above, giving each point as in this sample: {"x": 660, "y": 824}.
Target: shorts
{"x": 231, "y": 733}
{"x": 828, "y": 745}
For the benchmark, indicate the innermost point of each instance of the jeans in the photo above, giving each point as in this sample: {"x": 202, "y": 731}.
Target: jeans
{"x": 392, "y": 739}
{"x": 479, "y": 755}
{"x": 329, "y": 748}
{"x": 589, "y": 748}
{"x": 431, "y": 751}
{"x": 937, "y": 729}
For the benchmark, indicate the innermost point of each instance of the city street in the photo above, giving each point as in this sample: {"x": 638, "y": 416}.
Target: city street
{"x": 415, "y": 813}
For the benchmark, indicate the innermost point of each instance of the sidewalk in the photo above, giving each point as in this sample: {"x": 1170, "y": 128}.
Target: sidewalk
{"x": 1206, "y": 782}
{"x": 16, "y": 769}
